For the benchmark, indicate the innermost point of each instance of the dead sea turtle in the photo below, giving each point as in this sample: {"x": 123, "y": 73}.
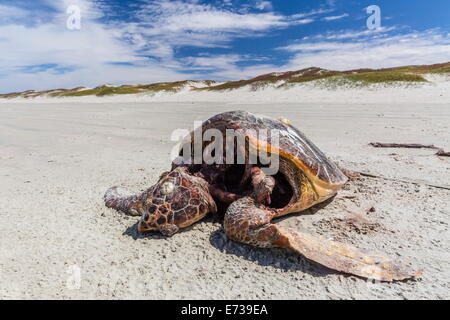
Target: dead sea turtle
{"x": 249, "y": 197}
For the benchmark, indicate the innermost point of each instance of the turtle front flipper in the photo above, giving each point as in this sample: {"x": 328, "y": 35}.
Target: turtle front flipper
{"x": 249, "y": 223}
{"x": 121, "y": 199}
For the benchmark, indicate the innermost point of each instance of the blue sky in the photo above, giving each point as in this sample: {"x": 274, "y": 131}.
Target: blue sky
{"x": 121, "y": 41}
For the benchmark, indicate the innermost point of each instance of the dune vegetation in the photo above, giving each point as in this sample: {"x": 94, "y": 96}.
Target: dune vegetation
{"x": 323, "y": 77}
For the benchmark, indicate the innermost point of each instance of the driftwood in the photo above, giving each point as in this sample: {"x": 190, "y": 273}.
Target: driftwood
{"x": 416, "y": 182}
{"x": 440, "y": 152}
{"x": 354, "y": 175}
{"x": 402, "y": 145}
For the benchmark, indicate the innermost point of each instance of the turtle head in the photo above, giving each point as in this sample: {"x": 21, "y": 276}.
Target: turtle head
{"x": 178, "y": 200}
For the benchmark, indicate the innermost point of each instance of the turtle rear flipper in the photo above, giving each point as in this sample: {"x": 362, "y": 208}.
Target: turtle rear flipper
{"x": 343, "y": 257}
{"x": 249, "y": 223}
{"x": 121, "y": 199}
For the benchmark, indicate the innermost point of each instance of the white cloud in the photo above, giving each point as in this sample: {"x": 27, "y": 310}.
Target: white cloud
{"x": 39, "y": 52}
{"x": 225, "y": 66}
{"x": 319, "y": 46}
{"x": 353, "y": 34}
{"x": 179, "y": 23}
{"x": 234, "y": 72}
{"x": 142, "y": 50}
{"x": 208, "y": 62}
{"x": 331, "y": 18}
{"x": 377, "y": 51}
{"x": 9, "y": 14}
{"x": 304, "y": 21}
{"x": 264, "y": 5}
{"x": 74, "y": 57}
{"x": 163, "y": 26}
{"x": 311, "y": 13}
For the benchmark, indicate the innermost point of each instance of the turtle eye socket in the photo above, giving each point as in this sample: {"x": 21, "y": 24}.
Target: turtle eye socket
{"x": 167, "y": 187}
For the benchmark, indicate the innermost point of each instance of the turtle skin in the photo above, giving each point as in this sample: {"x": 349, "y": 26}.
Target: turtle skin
{"x": 178, "y": 200}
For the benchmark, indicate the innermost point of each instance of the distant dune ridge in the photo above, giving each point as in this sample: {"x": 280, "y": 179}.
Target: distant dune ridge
{"x": 323, "y": 78}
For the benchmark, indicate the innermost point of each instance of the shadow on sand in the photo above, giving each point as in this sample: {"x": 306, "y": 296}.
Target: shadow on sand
{"x": 133, "y": 233}
{"x": 154, "y": 235}
{"x": 279, "y": 258}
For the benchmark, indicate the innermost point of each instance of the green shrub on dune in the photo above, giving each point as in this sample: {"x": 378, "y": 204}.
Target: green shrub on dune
{"x": 385, "y": 76}
{"x": 319, "y": 77}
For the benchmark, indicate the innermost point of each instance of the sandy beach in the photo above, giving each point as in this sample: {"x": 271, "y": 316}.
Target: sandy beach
{"x": 57, "y": 158}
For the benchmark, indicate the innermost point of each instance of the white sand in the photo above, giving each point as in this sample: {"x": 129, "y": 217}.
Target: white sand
{"x": 58, "y": 156}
